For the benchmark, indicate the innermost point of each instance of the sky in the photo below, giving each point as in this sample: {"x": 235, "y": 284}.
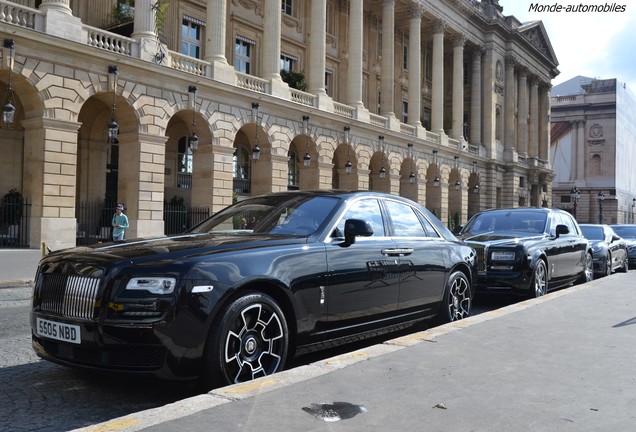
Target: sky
{"x": 592, "y": 44}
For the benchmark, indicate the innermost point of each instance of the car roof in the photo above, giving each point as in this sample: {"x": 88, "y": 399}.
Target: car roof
{"x": 516, "y": 209}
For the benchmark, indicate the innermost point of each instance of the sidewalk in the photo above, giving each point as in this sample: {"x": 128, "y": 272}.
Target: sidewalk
{"x": 18, "y": 266}
{"x": 564, "y": 362}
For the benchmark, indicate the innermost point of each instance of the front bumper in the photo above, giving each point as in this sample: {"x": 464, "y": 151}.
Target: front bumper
{"x": 514, "y": 281}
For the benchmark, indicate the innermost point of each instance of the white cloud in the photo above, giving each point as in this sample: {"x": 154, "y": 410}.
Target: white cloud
{"x": 594, "y": 44}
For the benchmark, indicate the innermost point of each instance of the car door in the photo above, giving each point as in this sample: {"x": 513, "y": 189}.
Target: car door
{"x": 422, "y": 255}
{"x": 574, "y": 248}
{"x": 363, "y": 277}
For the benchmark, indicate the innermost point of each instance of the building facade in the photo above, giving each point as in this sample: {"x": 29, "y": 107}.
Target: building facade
{"x": 444, "y": 102}
{"x": 593, "y": 149}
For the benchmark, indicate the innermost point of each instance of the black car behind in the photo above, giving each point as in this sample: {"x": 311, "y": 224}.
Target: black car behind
{"x": 608, "y": 248}
{"x": 528, "y": 251}
{"x": 238, "y": 295}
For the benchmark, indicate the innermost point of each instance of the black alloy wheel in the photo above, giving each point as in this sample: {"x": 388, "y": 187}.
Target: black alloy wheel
{"x": 250, "y": 339}
{"x": 458, "y": 298}
{"x": 539, "y": 284}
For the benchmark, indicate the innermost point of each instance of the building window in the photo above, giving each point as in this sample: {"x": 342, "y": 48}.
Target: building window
{"x": 243, "y": 49}
{"x": 379, "y": 107}
{"x": 405, "y": 56}
{"x": 405, "y": 111}
{"x": 328, "y": 82}
{"x": 288, "y": 7}
{"x": 428, "y": 65}
{"x": 287, "y": 62}
{"x": 241, "y": 164}
{"x": 190, "y": 38}
{"x": 293, "y": 173}
{"x": 426, "y": 118}
{"x": 329, "y": 27}
{"x": 125, "y": 7}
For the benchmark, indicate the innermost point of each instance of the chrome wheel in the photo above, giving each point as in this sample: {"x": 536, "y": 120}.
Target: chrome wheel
{"x": 588, "y": 273}
{"x": 457, "y": 298}
{"x": 539, "y": 280}
{"x": 608, "y": 264}
{"x": 249, "y": 341}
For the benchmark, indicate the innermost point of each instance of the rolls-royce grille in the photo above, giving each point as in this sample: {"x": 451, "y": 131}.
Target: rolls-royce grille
{"x": 69, "y": 295}
{"x": 481, "y": 257}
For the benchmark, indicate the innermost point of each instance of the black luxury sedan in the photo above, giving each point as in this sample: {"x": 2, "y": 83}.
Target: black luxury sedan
{"x": 236, "y": 296}
{"x": 628, "y": 233}
{"x": 528, "y": 251}
{"x": 608, "y": 248}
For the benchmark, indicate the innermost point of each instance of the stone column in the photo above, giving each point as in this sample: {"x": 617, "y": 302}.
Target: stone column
{"x": 141, "y": 182}
{"x": 509, "y": 110}
{"x": 317, "y": 33}
{"x": 415, "y": 67}
{"x": 212, "y": 175}
{"x": 580, "y": 151}
{"x": 354, "y": 43}
{"x": 145, "y": 18}
{"x": 216, "y": 16}
{"x": 544, "y": 122}
{"x": 574, "y": 151}
{"x": 387, "y": 103}
{"x": 437, "y": 93}
{"x": 50, "y": 159}
{"x": 271, "y": 40}
{"x": 533, "y": 120}
{"x": 522, "y": 111}
{"x": 475, "y": 98}
{"x": 458, "y": 87}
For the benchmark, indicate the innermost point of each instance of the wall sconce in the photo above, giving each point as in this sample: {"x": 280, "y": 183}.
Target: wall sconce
{"x": 412, "y": 174}
{"x": 256, "y": 150}
{"x": 307, "y": 158}
{"x": 113, "y": 126}
{"x": 347, "y": 139}
{"x": 8, "y": 105}
{"x": 193, "y": 140}
{"x": 436, "y": 180}
{"x": 382, "y": 170}
{"x": 458, "y": 185}
{"x": 476, "y": 187}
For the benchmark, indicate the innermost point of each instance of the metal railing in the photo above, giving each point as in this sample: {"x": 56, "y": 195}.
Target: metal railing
{"x": 179, "y": 218}
{"x": 14, "y": 222}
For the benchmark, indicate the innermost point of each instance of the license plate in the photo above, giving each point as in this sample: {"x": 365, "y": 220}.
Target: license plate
{"x": 58, "y": 331}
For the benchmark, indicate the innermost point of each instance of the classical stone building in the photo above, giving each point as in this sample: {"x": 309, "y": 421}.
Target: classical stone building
{"x": 445, "y": 102}
{"x": 593, "y": 149}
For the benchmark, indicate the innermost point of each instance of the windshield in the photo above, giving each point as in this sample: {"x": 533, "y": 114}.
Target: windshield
{"x": 276, "y": 214}
{"x": 523, "y": 223}
{"x": 593, "y": 232}
{"x": 625, "y": 231}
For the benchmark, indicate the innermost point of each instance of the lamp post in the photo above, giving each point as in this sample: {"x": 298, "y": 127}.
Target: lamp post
{"x": 575, "y": 195}
{"x": 633, "y": 205}
{"x": 600, "y": 197}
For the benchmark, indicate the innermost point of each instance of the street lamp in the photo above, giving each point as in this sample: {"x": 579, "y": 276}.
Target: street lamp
{"x": 600, "y": 197}
{"x": 633, "y": 205}
{"x": 575, "y": 195}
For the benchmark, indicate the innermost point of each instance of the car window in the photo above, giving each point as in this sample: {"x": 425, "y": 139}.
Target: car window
{"x": 522, "y": 222}
{"x": 367, "y": 210}
{"x": 569, "y": 222}
{"x": 593, "y": 232}
{"x": 405, "y": 221}
{"x": 625, "y": 231}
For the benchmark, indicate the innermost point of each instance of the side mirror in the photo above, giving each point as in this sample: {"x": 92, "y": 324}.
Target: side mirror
{"x": 561, "y": 230}
{"x": 457, "y": 229}
{"x": 356, "y": 228}
{"x": 615, "y": 237}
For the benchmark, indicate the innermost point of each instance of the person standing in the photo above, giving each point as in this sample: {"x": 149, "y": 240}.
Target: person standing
{"x": 120, "y": 223}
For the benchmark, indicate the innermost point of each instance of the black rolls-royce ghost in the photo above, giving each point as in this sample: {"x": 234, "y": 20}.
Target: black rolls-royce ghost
{"x": 236, "y": 296}
{"x": 528, "y": 251}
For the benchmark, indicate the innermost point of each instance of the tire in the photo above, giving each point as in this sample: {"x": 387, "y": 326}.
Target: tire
{"x": 588, "y": 273}
{"x": 250, "y": 339}
{"x": 625, "y": 266}
{"x": 458, "y": 299}
{"x": 539, "y": 284}
{"x": 608, "y": 264}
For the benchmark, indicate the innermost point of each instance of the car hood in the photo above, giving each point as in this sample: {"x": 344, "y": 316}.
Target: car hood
{"x": 492, "y": 238}
{"x": 175, "y": 248}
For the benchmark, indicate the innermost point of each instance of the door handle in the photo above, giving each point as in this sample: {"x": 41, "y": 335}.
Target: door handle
{"x": 397, "y": 251}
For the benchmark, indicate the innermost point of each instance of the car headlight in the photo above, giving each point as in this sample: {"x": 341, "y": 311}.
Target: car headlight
{"x": 502, "y": 256}
{"x": 596, "y": 248}
{"x": 155, "y": 285}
